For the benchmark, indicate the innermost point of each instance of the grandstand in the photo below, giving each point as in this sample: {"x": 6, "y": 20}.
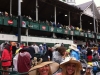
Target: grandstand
{"x": 67, "y": 28}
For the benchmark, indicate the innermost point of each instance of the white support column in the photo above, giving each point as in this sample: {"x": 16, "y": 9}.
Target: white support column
{"x": 69, "y": 18}
{"x": 19, "y": 8}
{"x": 72, "y": 38}
{"x": 10, "y": 7}
{"x": 55, "y": 14}
{"x": 19, "y": 21}
{"x": 81, "y": 20}
{"x": 94, "y": 17}
{"x": 36, "y": 10}
{"x": 27, "y": 36}
{"x": 97, "y": 26}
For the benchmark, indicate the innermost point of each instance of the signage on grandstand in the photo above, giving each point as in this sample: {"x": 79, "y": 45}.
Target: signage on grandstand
{"x": 52, "y": 29}
{"x": 35, "y": 26}
{"x": 66, "y": 31}
{"x": 81, "y": 34}
{"x": 76, "y": 32}
{"x": 10, "y": 22}
{"x": 23, "y": 24}
{"x": 72, "y": 32}
{"x": 85, "y": 34}
{"x": 43, "y": 27}
{"x": 59, "y": 30}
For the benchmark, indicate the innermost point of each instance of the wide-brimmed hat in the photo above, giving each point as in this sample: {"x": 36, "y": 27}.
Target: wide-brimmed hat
{"x": 71, "y": 60}
{"x": 73, "y": 46}
{"x": 6, "y": 13}
{"x": 89, "y": 66}
{"x": 53, "y": 66}
{"x": 56, "y": 46}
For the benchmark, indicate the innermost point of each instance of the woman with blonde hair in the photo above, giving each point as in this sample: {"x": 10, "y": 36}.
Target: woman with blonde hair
{"x": 43, "y": 67}
{"x": 70, "y": 66}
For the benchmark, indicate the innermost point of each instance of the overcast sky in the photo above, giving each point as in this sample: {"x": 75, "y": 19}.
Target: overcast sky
{"x": 97, "y": 2}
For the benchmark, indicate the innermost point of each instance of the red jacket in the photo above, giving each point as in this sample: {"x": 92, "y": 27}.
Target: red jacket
{"x": 6, "y": 55}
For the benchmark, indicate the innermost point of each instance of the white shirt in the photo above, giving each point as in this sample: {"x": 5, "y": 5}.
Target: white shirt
{"x": 36, "y": 48}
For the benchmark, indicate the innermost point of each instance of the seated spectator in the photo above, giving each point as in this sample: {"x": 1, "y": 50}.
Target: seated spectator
{"x": 77, "y": 28}
{"x": 64, "y": 26}
{"x": 80, "y": 29}
{"x": 67, "y": 27}
{"x": 58, "y": 25}
{"x": 1, "y": 13}
{"x": 88, "y": 31}
{"x": 6, "y": 14}
{"x": 29, "y": 18}
{"x": 47, "y": 22}
{"x": 71, "y": 27}
{"x": 53, "y": 23}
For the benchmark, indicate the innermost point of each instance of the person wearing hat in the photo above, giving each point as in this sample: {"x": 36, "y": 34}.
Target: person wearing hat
{"x": 74, "y": 51}
{"x": 88, "y": 70}
{"x": 43, "y": 67}
{"x": 70, "y": 66}
{"x": 55, "y": 53}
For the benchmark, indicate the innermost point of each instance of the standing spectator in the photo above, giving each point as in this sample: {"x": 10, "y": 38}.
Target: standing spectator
{"x": 14, "y": 47}
{"x": 56, "y": 55}
{"x": 31, "y": 50}
{"x": 78, "y": 47}
{"x": 99, "y": 50}
{"x": 88, "y": 70}
{"x": 6, "y": 58}
{"x": 23, "y": 62}
{"x": 74, "y": 51}
{"x": 45, "y": 48}
{"x": 84, "y": 52}
{"x": 89, "y": 54}
{"x": 36, "y": 48}
{"x": 50, "y": 52}
{"x": 95, "y": 54}
{"x": 47, "y": 53}
{"x": 41, "y": 49}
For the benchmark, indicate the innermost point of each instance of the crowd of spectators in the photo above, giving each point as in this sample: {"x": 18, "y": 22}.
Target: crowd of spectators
{"x": 25, "y": 54}
{"x": 49, "y": 23}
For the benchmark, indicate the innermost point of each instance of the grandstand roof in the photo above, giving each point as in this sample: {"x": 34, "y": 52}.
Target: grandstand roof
{"x": 87, "y": 5}
{"x": 83, "y": 6}
{"x": 28, "y": 6}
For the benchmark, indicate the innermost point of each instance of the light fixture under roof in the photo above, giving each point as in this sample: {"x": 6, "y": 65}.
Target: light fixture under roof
{"x": 21, "y": 0}
{"x": 90, "y": 23}
{"x": 65, "y": 14}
